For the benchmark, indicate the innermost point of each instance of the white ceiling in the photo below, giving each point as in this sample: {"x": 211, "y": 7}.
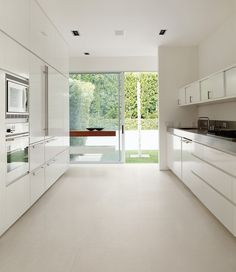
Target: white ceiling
{"x": 187, "y": 21}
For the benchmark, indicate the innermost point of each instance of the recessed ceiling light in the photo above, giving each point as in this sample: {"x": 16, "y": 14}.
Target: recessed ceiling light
{"x": 162, "y": 32}
{"x": 86, "y": 53}
{"x": 119, "y": 32}
{"x": 75, "y": 32}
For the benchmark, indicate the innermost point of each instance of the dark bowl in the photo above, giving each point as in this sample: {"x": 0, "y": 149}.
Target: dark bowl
{"x": 99, "y": 129}
{"x": 91, "y": 129}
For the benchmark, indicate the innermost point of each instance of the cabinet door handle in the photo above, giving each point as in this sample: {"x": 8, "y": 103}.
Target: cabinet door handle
{"x": 209, "y": 94}
{"x": 178, "y": 102}
{"x": 190, "y": 99}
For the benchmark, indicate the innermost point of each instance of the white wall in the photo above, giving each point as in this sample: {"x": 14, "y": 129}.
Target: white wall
{"x": 113, "y": 64}
{"x": 217, "y": 52}
{"x": 178, "y": 66}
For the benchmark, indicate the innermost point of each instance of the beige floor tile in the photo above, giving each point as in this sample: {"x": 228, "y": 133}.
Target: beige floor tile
{"x": 118, "y": 218}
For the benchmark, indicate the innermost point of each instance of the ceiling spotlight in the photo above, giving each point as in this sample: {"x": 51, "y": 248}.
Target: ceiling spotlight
{"x": 75, "y": 32}
{"x": 119, "y": 32}
{"x": 162, "y": 32}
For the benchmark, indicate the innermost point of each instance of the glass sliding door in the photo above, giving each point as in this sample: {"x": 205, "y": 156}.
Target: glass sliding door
{"x": 96, "y": 110}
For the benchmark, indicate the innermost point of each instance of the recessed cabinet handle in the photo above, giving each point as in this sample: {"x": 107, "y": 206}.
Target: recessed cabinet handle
{"x": 190, "y": 99}
{"x": 209, "y": 94}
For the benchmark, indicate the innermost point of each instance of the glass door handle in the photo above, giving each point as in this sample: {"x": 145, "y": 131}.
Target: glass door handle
{"x": 122, "y": 129}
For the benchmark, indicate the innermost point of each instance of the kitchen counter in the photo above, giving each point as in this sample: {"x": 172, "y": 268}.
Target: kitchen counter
{"x": 224, "y": 144}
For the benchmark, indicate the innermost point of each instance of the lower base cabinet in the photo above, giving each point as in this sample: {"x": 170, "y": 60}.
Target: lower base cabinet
{"x": 37, "y": 184}
{"x": 17, "y": 199}
{"x": 55, "y": 168}
{"x": 23, "y": 193}
{"x": 174, "y": 158}
{"x": 216, "y": 203}
{"x": 214, "y": 186}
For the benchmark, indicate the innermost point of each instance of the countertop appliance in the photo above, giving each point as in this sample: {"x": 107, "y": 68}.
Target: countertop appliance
{"x": 17, "y": 93}
{"x": 17, "y": 145}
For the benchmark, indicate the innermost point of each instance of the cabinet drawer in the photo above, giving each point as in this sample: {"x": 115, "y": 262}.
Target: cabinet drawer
{"x": 17, "y": 199}
{"x": 215, "y": 177}
{"x": 56, "y": 167}
{"x": 218, "y": 205}
{"x": 222, "y": 160}
{"x": 37, "y": 184}
{"x": 52, "y": 148}
{"x": 63, "y": 161}
{"x": 36, "y": 155}
{"x": 51, "y": 173}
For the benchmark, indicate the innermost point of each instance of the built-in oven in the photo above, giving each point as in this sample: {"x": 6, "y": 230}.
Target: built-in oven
{"x": 17, "y": 90}
{"x": 17, "y": 145}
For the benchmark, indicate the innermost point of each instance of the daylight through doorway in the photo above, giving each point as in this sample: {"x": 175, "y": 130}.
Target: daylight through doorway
{"x": 141, "y": 117}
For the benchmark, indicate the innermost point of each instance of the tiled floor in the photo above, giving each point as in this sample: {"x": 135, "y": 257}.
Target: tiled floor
{"x": 118, "y": 218}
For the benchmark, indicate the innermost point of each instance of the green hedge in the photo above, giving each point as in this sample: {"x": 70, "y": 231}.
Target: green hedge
{"x": 132, "y": 124}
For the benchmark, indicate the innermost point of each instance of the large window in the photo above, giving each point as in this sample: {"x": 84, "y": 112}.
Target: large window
{"x": 95, "y": 103}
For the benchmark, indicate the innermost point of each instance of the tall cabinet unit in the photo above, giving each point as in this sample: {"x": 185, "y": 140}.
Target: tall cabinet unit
{"x": 37, "y": 99}
{"x": 2, "y": 154}
{"x": 34, "y": 49}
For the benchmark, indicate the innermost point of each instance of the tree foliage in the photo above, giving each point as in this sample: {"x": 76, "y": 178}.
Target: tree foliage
{"x": 94, "y": 100}
{"x": 81, "y": 96}
{"x": 103, "y": 110}
{"x": 149, "y": 95}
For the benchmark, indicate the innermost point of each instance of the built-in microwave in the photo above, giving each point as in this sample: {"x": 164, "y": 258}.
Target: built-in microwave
{"x": 16, "y": 95}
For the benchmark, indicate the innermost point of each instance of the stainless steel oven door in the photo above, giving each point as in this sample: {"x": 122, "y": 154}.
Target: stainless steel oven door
{"x": 17, "y": 157}
{"x": 17, "y": 98}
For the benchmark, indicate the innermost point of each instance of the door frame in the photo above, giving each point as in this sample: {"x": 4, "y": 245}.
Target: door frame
{"x": 122, "y": 118}
{"x": 121, "y": 115}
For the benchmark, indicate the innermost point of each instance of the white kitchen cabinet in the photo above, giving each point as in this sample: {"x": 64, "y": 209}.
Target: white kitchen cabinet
{"x": 46, "y": 41}
{"x": 193, "y": 93}
{"x": 56, "y": 167}
{"x": 187, "y": 161}
{"x": 37, "y": 99}
{"x": 216, "y": 178}
{"x": 212, "y": 87}
{"x": 17, "y": 199}
{"x": 41, "y": 32}
{"x": 217, "y": 204}
{"x": 181, "y": 97}
{"x": 51, "y": 173}
{"x": 63, "y": 161}
{"x": 58, "y": 99}
{"x": 219, "y": 159}
{"x": 174, "y": 154}
{"x": 37, "y": 184}
{"x": 208, "y": 173}
{"x": 36, "y": 155}
{"x": 15, "y": 58}
{"x": 66, "y": 114}
{"x": 3, "y": 161}
{"x": 14, "y": 19}
{"x": 230, "y": 82}
{"x": 52, "y": 148}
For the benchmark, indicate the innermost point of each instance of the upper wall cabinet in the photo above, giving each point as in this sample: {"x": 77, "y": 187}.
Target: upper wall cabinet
{"x": 215, "y": 88}
{"x": 212, "y": 87}
{"x": 41, "y": 32}
{"x": 26, "y": 23}
{"x": 230, "y": 82}
{"x": 181, "y": 97}
{"x": 13, "y": 58}
{"x": 193, "y": 93}
{"x": 14, "y": 19}
{"x": 45, "y": 40}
